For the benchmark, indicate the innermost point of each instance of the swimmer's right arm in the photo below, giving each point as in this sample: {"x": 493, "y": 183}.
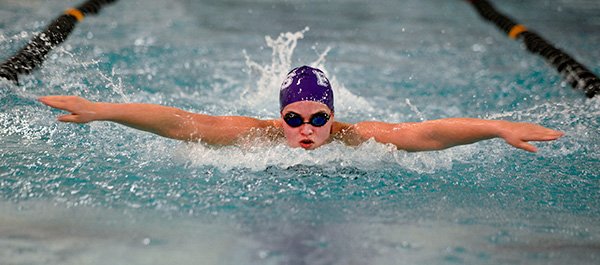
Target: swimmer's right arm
{"x": 162, "y": 120}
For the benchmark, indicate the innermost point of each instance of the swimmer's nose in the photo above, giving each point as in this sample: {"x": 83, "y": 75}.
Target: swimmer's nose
{"x": 306, "y": 129}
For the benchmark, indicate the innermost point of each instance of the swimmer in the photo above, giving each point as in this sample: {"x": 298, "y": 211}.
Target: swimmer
{"x": 307, "y": 120}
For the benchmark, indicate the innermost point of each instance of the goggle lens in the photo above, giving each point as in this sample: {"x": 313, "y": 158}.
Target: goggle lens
{"x": 295, "y": 120}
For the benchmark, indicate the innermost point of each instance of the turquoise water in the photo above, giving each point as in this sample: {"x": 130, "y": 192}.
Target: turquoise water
{"x": 106, "y": 194}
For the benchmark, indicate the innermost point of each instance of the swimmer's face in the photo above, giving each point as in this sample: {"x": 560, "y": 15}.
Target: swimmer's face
{"x": 307, "y": 135}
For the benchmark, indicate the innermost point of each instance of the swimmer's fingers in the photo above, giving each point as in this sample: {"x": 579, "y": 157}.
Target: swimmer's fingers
{"x": 71, "y": 118}
{"x": 68, "y": 103}
{"x": 82, "y": 110}
{"x": 523, "y": 145}
{"x": 53, "y": 101}
{"x": 522, "y": 133}
{"x": 547, "y": 135}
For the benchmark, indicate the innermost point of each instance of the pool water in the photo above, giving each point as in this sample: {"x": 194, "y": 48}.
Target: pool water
{"x": 103, "y": 193}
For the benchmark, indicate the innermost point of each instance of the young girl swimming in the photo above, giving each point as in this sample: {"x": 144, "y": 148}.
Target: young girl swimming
{"x": 306, "y": 121}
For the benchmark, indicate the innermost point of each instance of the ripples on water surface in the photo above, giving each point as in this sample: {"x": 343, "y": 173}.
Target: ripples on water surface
{"x": 102, "y": 193}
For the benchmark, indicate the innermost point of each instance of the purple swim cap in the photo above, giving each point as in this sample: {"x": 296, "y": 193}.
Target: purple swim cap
{"x": 305, "y": 84}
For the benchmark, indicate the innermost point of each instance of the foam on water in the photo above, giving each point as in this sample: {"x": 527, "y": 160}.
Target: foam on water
{"x": 370, "y": 155}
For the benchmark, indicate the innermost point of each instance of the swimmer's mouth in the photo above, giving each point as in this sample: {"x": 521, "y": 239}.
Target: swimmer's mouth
{"x": 306, "y": 143}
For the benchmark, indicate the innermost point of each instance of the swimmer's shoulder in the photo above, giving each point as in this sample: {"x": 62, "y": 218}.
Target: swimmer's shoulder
{"x": 346, "y": 132}
{"x": 272, "y": 128}
{"x": 340, "y": 127}
{"x": 273, "y": 124}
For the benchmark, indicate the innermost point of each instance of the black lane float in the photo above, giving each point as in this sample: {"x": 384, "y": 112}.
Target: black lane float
{"x": 33, "y": 55}
{"x": 572, "y": 71}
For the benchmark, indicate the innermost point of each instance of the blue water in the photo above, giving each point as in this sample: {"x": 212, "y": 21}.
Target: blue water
{"x": 102, "y": 193}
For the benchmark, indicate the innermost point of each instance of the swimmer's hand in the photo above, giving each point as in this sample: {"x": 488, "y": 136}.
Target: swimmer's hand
{"x": 81, "y": 110}
{"x": 518, "y": 134}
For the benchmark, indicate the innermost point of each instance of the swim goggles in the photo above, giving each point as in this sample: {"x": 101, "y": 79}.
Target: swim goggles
{"x": 295, "y": 120}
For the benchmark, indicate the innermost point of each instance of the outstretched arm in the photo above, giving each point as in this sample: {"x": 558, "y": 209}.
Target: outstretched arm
{"x": 445, "y": 133}
{"x": 164, "y": 121}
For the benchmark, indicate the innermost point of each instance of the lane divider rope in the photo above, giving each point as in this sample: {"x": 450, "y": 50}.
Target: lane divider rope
{"x": 573, "y": 72}
{"x": 34, "y": 53}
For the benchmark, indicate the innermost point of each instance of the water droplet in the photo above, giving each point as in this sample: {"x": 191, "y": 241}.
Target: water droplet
{"x": 263, "y": 254}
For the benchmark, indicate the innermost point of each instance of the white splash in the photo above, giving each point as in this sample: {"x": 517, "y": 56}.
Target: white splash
{"x": 264, "y": 94}
{"x": 578, "y": 121}
{"x": 370, "y": 155}
{"x": 415, "y": 110}
{"x": 117, "y": 87}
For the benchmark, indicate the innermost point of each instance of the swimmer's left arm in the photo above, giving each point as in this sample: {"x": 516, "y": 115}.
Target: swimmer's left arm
{"x": 446, "y": 133}
{"x": 161, "y": 120}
